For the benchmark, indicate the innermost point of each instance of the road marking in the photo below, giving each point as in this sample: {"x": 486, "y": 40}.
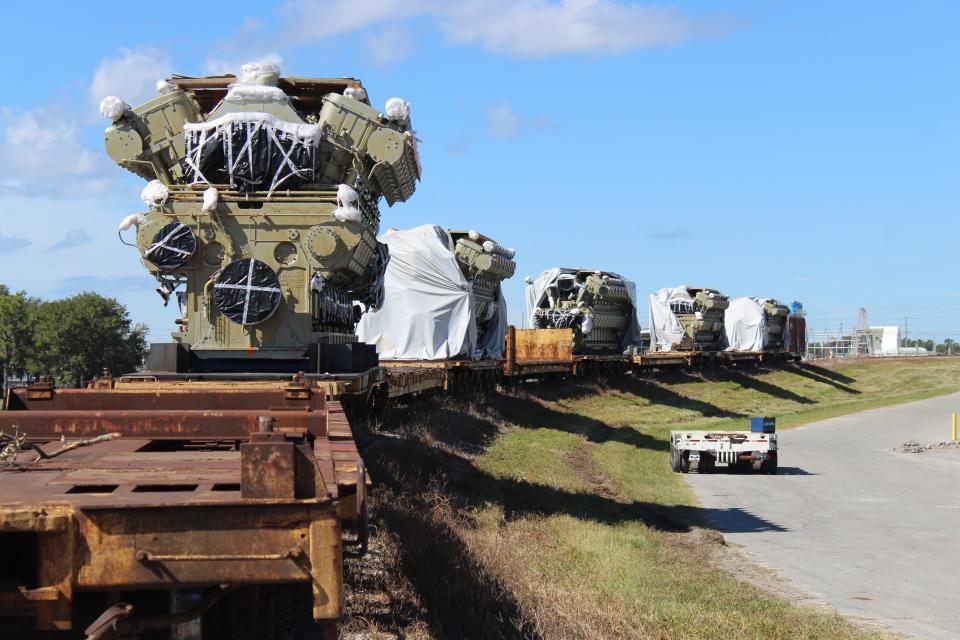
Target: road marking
{"x": 948, "y": 506}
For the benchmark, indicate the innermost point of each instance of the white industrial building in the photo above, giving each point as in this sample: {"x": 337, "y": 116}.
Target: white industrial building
{"x": 886, "y": 341}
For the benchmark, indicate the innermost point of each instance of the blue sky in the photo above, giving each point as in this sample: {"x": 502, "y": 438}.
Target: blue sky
{"x": 799, "y": 150}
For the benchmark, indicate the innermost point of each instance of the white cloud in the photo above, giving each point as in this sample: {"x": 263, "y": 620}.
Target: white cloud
{"x": 502, "y": 121}
{"x": 520, "y": 28}
{"x": 73, "y": 238}
{"x": 41, "y": 148}
{"x": 12, "y": 244}
{"x": 538, "y": 28}
{"x": 132, "y": 75}
{"x": 215, "y": 66}
{"x": 308, "y": 20}
{"x": 672, "y": 234}
{"x": 459, "y": 146}
{"x": 390, "y": 45}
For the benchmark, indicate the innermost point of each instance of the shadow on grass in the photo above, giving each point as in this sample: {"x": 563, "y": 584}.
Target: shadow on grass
{"x": 465, "y": 430}
{"x": 658, "y": 394}
{"x": 814, "y": 373}
{"x": 407, "y": 465}
{"x": 752, "y": 382}
{"x": 531, "y": 414}
{"x": 426, "y": 491}
{"x": 471, "y": 430}
{"x": 827, "y": 373}
{"x": 461, "y": 597}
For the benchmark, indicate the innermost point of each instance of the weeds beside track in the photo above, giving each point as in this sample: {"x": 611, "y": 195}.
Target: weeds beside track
{"x": 551, "y": 512}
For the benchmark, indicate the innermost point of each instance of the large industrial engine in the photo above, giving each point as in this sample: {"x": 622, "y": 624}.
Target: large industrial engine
{"x": 263, "y": 213}
{"x": 687, "y": 319}
{"x": 776, "y": 314}
{"x": 598, "y": 305}
{"x": 485, "y": 264}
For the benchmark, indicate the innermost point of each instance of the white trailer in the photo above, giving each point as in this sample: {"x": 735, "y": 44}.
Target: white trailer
{"x": 741, "y": 451}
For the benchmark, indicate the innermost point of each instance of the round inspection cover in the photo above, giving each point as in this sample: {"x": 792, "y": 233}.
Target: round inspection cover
{"x": 173, "y": 245}
{"x": 247, "y": 291}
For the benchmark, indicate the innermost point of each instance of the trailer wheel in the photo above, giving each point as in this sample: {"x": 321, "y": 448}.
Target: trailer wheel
{"x": 769, "y": 466}
{"x": 674, "y": 458}
{"x": 685, "y": 462}
{"x": 707, "y": 463}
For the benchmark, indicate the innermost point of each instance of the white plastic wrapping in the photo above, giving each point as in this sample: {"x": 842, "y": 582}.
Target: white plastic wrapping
{"x": 745, "y": 325}
{"x": 291, "y": 157}
{"x": 428, "y": 310}
{"x": 490, "y": 342}
{"x": 398, "y": 110}
{"x": 536, "y": 291}
{"x": 155, "y": 194}
{"x": 665, "y": 329}
{"x": 587, "y": 325}
{"x": 255, "y": 92}
{"x": 259, "y": 73}
{"x": 113, "y": 108}
{"x": 356, "y": 93}
{"x": 132, "y": 220}
{"x": 164, "y": 87}
{"x": 307, "y": 133}
{"x": 347, "y": 209}
{"x": 210, "y": 198}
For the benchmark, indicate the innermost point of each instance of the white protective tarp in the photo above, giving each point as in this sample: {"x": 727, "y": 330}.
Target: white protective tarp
{"x": 428, "y": 309}
{"x": 745, "y": 324}
{"x": 665, "y": 329}
{"x": 536, "y": 293}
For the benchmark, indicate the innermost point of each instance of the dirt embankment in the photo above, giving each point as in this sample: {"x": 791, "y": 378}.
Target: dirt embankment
{"x": 424, "y": 580}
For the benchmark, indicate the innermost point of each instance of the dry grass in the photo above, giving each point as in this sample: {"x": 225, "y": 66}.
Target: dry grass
{"x": 555, "y": 515}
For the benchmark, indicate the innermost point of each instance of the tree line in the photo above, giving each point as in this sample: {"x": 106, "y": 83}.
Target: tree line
{"x": 947, "y": 347}
{"x": 71, "y": 339}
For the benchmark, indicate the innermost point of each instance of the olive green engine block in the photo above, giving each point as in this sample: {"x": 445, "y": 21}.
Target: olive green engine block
{"x": 701, "y": 317}
{"x": 596, "y": 304}
{"x": 484, "y": 264}
{"x": 263, "y": 206}
{"x": 776, "y": 315}
{"x": 301, "y": 242}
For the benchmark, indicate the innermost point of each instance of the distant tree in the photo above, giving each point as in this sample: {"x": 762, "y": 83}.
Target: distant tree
{"x": 17, "y": 316}
{"x": 77, "y": 338}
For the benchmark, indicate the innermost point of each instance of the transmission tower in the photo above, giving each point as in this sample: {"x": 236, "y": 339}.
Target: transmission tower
{"x": 862, "y": 336}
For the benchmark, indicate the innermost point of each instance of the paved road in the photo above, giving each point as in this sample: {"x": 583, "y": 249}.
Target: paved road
{"x": 874, "y": 533}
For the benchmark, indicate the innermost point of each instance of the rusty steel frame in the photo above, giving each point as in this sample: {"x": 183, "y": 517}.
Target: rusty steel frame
{"x": 208, "y": 483}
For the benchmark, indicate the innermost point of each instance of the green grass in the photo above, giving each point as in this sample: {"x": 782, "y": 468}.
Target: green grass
{"x": 576, "y": 512}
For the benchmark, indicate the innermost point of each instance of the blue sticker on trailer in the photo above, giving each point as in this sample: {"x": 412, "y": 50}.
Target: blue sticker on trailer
{"x": 763, "y": 425}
